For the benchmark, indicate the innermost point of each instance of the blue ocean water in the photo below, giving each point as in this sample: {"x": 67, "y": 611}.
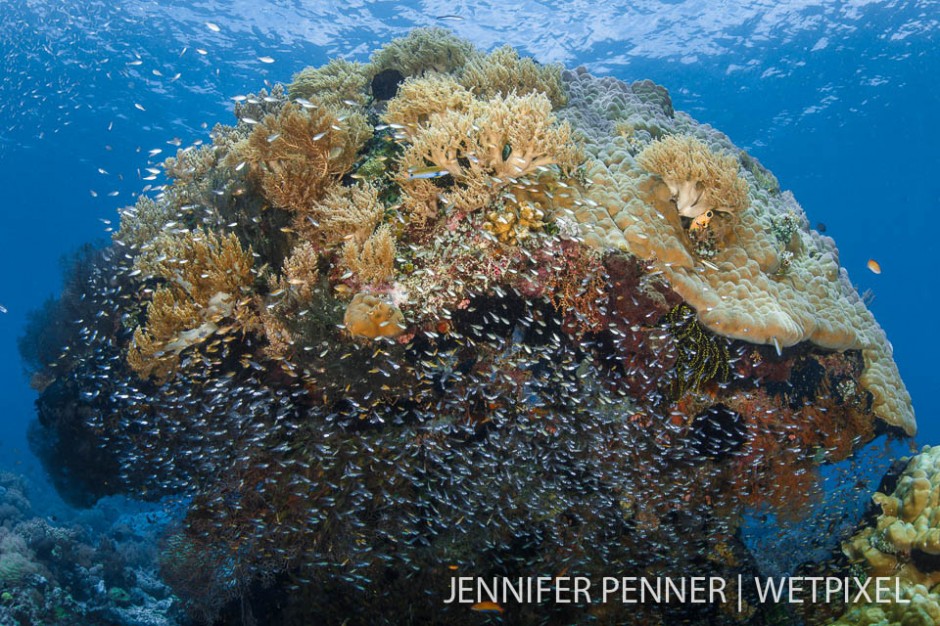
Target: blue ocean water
{"x": 838, "y": 100}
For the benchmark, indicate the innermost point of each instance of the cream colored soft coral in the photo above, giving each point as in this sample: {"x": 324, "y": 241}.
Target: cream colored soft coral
{"x": 488, "y": 146}
{"x": 698, "y": 178}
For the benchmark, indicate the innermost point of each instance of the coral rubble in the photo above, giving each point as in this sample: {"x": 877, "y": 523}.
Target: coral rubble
{"x": 455, "y": 312}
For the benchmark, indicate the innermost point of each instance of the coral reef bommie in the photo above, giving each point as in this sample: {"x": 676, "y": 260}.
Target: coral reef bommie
{"x": 519, "y": 320}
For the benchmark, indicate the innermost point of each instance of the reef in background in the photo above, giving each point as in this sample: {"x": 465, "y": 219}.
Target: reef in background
{"x": 455, "y": 313}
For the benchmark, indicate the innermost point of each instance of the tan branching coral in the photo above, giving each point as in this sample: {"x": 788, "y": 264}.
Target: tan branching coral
{"x": 374, "y": 260}
{"x": 369, "y": 317}
{"x": 337, "y": 84}
{"x": 298, "y": 153}
{"x": 422, "y": 50}
{"x": 344, "y": 214}
{"x": 699, "y": 179}
{"x": 301, "y": 270}
{"x": 143, "y": 222}
{"x": 205, "y": 277}
{"x": 420, "y": 97}
{"x": 488, "y": 147}
{"x": 503, "y": 71}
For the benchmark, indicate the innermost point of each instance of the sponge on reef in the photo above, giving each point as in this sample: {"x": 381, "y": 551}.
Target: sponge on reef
{"x": 369, "y": 317}
{"x": 755, "y": 288}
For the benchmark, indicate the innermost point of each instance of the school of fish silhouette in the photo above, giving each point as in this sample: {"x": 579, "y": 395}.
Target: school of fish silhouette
{"x": 457, "y": 313}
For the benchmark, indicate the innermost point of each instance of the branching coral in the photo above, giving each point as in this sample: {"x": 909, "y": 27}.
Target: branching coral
{"x": 204, "y": 277}
{"x": 344, "y": 214}
{"x": 422, "y": 50}
{"x": 487, "y": 147}
{"x": 298, "y": 153}
{"x": 374, "y": 260}
{"x": 698, "y": 178}
{"x": 336, "y": 84}
{"x": 503, "y": 71}
{"x": 141, "y": 223}
{"x": 419, "y": 97}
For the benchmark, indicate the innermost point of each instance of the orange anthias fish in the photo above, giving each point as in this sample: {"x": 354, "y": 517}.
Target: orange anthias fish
{"x": 874, "y": 266}
{"x": 702, "y": 221}
{"x": 486, "y": 607}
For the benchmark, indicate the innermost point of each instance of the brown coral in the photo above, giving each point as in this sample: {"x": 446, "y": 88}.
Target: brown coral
{"x": 298, "y": 153}
{"x": 488, "y": 147}
{"x": 374, "y": 260}
{"x": 344, "y": 214}
{"x": 205, "y": 275}
{"x": 419, "y": 98}
{"x": 338, "y": 83}
{"x": 698, "y": 178}
{"x": 503, "y": 71}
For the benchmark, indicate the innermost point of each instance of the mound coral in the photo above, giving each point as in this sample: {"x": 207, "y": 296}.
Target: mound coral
{"x": 298, "y": 153}
{"x": 905, "y": 541}
{"x": 488, "y": 311}
{"x": 502, "y": 71}
{"x": 752, "y": 288}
